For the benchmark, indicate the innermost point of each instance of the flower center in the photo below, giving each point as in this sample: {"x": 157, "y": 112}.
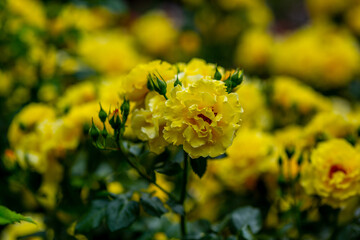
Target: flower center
{"x": 205, "y": 118}
{"x": 335, "y": 169}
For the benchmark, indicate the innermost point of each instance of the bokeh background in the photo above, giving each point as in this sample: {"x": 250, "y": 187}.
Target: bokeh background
{"x": 59, "y": 59}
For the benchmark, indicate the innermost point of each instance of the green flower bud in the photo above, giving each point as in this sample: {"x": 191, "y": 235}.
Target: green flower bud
{"x": 102, "y": 114}
{"x": 150, "y": 83}
{"x": 161, "y": 87}
{"x": 94, "y": 132}
{"x": 125, "y": 110}
{"x": 237, "y": 78}
{"x": 177, "y": 81}
{"x": 351, "y": 139}
{"x": 300, "y": 159}
{"x": 234, "y": 80}
{"x": 114, "y": 119}
{"x": 320, "y": 137}
{"x": 104, "y": 132}
{"x": 290, "y": 150}
{"x": 217, "y": 75}
{"x": 280, "y": 161}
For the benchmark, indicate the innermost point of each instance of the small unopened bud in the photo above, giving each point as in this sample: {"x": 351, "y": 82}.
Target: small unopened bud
{"x": 177, "y": 81}
{"x": 300, "y": 159}
{"x": 161, "y": 86}
{"x": 114, "y": 119}
{"x": 102, "y": 114}
{"x": 125, "y": 110}
{"x": 94, "y": 131}
{"x": 280, "y": 161}
{"x": 104, "y": 133}
{"x": 150, "y": 83}
{"x": 234, "y": 80}
{"x": 320, "y": 137}
{"x": 351, "y": 139}
{"x": 156, "y": 84}
{"x": 290, "y": 150}
{"x": 217, "y": 75}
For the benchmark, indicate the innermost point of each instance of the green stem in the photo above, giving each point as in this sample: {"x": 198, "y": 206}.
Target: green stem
{"x": 143, "y": 175}
{"x": 183, "y": 195}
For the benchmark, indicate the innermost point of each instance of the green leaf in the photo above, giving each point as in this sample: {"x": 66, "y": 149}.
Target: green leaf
{"x": 176, "y": 207}
{"x": 153, "y": 206}
{"x": 169, "y": 168}
{"x": 121, "y": 213}
{"x": 247, "y": 234}
{"x": 199, "y": 166}
{"x": 93, "y": 218}
{"x": 246, "y": 216}
{"x": 7, "y": 216}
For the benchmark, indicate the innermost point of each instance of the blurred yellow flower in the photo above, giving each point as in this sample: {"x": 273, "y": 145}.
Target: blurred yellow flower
{"x": 109, "y": 52}
{"x": 323, "y": 8}
{"x": 333, "y": 172}
{"x": 202, "y": 117}
{"x": 76, "y": 95}
{"x": 252, "y": 153}
{"x": 47, "y": 93}
{"x": 18, "y": 230}
{"x": 327, "y": 125}
{"x": 115, "y": 187}
{"x": 288, "y": 92}
{"x": 27, "y": 120}
{"x": 256, "y": 113}
{"x": 135, "y": 83}
{"x": 352, "y": 18}
{"x": 31, "y": 11}
{"x": 82, "y": 18}
{"x": 189, "y": 42}
{"x": 254, "y": 50}
{"x": 6, "y": 83}
{"x": 155, "y": 32}
{"x": 320, "y": 54}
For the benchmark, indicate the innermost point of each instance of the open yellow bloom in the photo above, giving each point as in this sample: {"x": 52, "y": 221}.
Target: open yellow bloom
{"x": 333, "y": 173}
{"x": 134, "y": 84}
{"x": 252, "y": 153}
{"x": 147, "y": 124}
{"x": 109, "y": 52}
{"x": 328, "y": 124}
{"x": 256, "y": 114}
{"x": 288, "y": 92}
{"x": 202, "y": 117}
{"x": 155, "y": 32}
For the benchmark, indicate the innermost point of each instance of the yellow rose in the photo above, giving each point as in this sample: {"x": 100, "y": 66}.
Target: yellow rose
{"x": 109, "y": 52}
{"x": 333, "y": 173}
{"x": 256, "y": 114}
{"x": 27, "y": 120}
{"x": 254, "y": 49}
{"x": 155, "y": 32}
{"x": 77, "y": 94}
{"x": 328, "y": 124}
{"x": 135, "y": 83}
{"x": 202, "y": 117}
{"x": 252, "y": 153}
{"x": 31, "y": 11}
{"x": 288, "y": 92}
{"x": 147, "y": 124}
